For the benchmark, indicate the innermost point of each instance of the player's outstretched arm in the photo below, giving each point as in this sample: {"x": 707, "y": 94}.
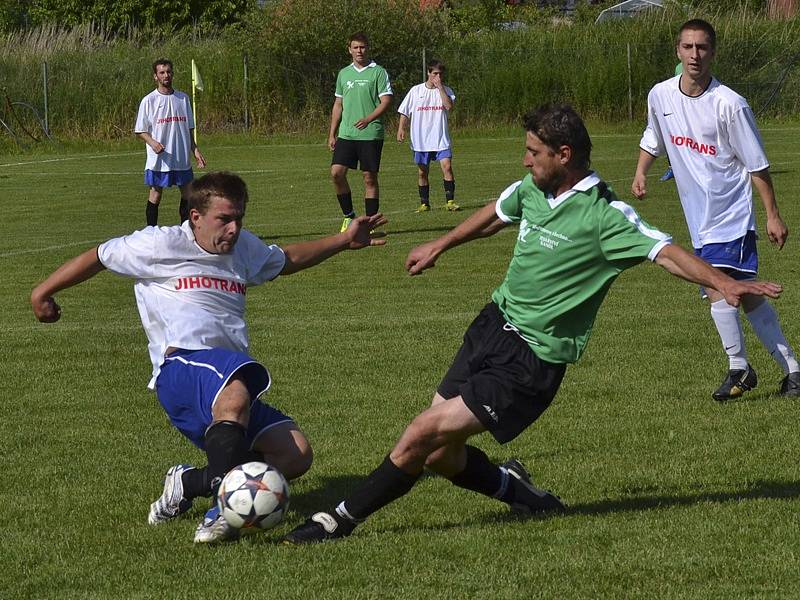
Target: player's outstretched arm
{"x": 483, "y": 223}
{"x": 639, "y": 185}
{"x": 682, "y": 264}
{"x": 74, "y": 271}
{"x": 307, "y": 254}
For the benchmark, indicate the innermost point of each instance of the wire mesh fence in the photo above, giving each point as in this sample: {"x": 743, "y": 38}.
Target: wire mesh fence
{"x": 97, "y": 93}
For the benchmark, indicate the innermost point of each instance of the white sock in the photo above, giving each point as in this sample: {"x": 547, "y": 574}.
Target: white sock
{"x": 729, "y": 327}
{"x": 765, "y": 323}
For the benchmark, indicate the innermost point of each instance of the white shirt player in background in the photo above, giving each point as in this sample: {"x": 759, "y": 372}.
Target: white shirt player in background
{"x": 709, "y": 134}
{"x": 426, "y": 105}
{"x": 190, "y": 284}
{"x": 166, "y": 125}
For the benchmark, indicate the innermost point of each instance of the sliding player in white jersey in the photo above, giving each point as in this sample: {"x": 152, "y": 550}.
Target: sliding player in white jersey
{"x": 190, "y": 288}
{"x": 709, "y": 134}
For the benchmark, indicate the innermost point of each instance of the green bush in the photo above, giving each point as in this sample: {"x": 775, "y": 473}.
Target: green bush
{"x": 294, "y": 48}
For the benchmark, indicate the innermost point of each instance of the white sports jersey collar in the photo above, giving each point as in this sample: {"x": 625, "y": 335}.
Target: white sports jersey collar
{"x": 712, "y": 83}
{"x": 584, "y": 185}
{"x": 369, "y": 66}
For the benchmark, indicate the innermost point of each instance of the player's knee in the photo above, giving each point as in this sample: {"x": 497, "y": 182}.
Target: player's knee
{"x": 420, "y": 438}
{"x": 299, "y": 462}
{"x": 338, "y": 175}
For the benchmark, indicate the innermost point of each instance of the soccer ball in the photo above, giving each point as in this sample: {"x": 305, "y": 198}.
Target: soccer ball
{"x": 253, "y": 495}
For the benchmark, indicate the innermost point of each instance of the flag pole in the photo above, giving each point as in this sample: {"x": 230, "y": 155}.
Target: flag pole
{"x": 194, "y": 103}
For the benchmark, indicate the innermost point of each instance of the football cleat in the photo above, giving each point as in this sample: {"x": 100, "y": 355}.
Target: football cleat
{"x": 668, "y": 174}
{"x": 423, "y": 208}
{"x": 345, "y": 224}
{"x": 214, "y": 528}
{"x": 171, "y": 503}
{"x": 529, "y": 499}
{"x": 736, "y": 383}
{"x": 790, "y": 385}
{"x": 321, "y": 527}
{"x": 452, "y": 206}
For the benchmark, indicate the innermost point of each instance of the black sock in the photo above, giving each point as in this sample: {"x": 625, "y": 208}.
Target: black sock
{"x": 226, "y": 447}
{"x": 371, "y": 206}
{"x": 424, "y": 194}
{"x": 196, "y": 482}
{"x": 346, "y": 203}
{"x": 481, "y": 475}
{"x": 183, "y": 209}
{"x": 449, "y": 189}
{"x": 384, "y": 485}
{"x": 151, "y": 213}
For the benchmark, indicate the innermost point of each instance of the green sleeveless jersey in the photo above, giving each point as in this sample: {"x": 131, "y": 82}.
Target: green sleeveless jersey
{"x": 360, "y": 91}
{"x": 569, "y": 251}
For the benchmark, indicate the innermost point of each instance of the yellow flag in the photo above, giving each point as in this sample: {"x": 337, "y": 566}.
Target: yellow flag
{"x": 197, "y": 81}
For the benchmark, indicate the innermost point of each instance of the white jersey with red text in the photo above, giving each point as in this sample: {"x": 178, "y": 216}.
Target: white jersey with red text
{"x": 713, "y": 145}
{"x": 187, "y": 297}
{"x": 425, "y": 108}
{"x": 169, "y": 119}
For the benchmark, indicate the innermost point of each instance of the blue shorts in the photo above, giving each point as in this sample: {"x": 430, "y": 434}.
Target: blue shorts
{"x": 425, "y": 158}
{"x": 738, "y": 258}
{"x": 191, "y": 380}
{"x": 162, "y": 179}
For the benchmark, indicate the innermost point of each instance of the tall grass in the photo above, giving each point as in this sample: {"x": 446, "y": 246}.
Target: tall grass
{"x": 294, "y": 49}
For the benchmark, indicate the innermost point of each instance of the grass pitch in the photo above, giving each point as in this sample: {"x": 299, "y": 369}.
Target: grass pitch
{"x": 671, "y": 495}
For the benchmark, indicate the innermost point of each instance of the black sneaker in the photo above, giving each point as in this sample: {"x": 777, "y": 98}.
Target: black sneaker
{"x": 321, "y": 527}
{"x": 790, "y": 386}
{"x": 736, "y": 383}
{"x": 530, "y": 499}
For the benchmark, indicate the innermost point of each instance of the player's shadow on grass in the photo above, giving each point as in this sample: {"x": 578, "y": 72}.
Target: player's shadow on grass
{"x": 773, "y": 490}
{"x": 334, "y": 489}
{"x": 329, "y": 492}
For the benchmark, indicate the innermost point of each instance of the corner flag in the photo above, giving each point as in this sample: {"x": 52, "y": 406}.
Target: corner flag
{"x": 197, "y": 84}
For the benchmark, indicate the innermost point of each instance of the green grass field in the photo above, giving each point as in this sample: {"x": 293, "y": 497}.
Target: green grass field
{"x": 671, "y": 495}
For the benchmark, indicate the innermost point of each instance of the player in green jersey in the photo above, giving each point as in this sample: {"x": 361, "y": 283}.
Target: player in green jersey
{"x": 575, "y": 237}
{"x": 363, "y": 94}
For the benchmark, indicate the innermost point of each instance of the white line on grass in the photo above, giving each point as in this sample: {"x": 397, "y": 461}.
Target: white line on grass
{"x": 66, "y": 158}
{"x": 48, "y": 248}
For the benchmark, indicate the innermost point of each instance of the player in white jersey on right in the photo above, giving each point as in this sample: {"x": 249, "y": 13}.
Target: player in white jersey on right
{"x": 426, "y": 105}
{"x": 709, "y": 134}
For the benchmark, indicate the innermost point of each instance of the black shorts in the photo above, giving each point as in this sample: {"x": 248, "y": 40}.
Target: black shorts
{"x": 502, "y": 381}
{"x": 352, "y": 152}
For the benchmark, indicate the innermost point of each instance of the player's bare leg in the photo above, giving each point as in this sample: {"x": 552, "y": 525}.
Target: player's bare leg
{"x": 435, "y": 438}
{"x": 286, "y": 448}
{"x": 226, "y": 447}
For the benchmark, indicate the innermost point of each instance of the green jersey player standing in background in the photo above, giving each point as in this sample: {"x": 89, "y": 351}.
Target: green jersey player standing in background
{"x": 363, "y": 95}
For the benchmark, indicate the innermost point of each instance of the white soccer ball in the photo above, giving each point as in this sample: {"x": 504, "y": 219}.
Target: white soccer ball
{"x": 253, "y": 495}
